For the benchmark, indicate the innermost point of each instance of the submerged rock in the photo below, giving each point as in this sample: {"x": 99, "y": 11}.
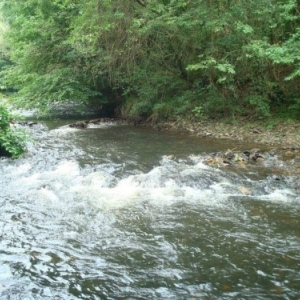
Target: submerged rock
{"x": 79, "y": 125}
{"x": 27, "y": 123}
{"x": 231, "y": 157}
{"x": 85, "y": 123}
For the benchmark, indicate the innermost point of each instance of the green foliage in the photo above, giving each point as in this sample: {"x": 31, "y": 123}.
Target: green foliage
{"x": 270, "y": 124}
{"x": 46, "y": 68}
{"x": 140, "y": 109}
{"x": 198, "y": 111}
{"x": 12, "y": 141}
{"x": 260, "y": 104}
{"x": 160, "y": 58}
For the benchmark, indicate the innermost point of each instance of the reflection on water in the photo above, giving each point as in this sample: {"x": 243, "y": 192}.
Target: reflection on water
{"x": 103, "y": 214}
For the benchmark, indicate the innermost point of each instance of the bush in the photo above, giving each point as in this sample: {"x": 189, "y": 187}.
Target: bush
{"x": 12, "y": 141}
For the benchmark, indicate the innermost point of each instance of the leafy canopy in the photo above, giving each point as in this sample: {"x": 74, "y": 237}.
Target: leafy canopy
{"x": 157, "y": 58}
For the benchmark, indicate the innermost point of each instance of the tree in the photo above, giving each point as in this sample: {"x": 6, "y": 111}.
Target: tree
{"x": 45, "y": 66}
{"x": 157, "y": 58}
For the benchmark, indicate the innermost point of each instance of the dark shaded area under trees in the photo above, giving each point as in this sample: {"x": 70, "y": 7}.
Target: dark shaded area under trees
{"x": 158, "y": 59}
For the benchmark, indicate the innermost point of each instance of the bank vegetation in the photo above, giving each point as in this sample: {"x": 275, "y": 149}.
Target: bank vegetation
{"x": 155, "y": 59}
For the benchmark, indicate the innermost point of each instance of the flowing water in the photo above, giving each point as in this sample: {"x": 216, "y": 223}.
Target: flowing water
{"x": 107, "y": 213}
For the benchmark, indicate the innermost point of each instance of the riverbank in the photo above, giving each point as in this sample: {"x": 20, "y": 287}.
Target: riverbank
{"x": 275, "y": 133}
{"x": 263, "y": 140}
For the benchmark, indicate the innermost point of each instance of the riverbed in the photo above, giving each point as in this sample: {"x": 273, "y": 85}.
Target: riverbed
{"x": 123, "y": 212}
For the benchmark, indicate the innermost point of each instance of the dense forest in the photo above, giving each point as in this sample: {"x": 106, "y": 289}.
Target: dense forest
{"x": 155, "y": 59}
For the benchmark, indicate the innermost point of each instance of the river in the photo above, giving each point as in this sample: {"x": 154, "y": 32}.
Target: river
{"x": 109, "y": 213}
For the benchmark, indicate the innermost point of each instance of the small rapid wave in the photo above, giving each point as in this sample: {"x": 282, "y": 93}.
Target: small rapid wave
{"x": 170, "y": 182}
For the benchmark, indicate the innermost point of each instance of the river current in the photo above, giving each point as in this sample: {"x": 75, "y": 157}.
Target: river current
{"x": 121, "y": 212}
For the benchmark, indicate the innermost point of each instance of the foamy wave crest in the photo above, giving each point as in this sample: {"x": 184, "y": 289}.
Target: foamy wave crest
{"x": 168, "y": 183}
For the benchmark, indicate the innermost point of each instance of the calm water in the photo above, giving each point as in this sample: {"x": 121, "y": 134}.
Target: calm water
{"x": 105, "y": 213}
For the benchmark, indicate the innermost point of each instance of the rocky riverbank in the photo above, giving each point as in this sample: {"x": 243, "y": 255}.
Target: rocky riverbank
{"x": 278, "y": 134}
{"x": 279, "y": 140}
{"x": 277, "y": 147}
{"x": 283, "y": 135}
{"x": 276, "y": 138}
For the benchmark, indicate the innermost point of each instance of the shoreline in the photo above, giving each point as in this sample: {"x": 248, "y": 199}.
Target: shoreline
{"x": 282, "y": 135}
{"x": 277, "y": 147}
{"x": 272, "y": 132}
{"x": 278, "y": 134}
{"x": 281, "y": 139}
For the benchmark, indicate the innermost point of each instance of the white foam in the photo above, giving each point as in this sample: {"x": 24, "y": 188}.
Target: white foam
{"x": 47, "y": 195}
{"x": 63, "y": 130}
{"x": 101, "y": 125}
{"x": 284, "y": 195}
{"x": 24, "y": 168}
{"x": 163, "y": 185}
{"x": 5, "y": 272}
{"x": 65, "y": 169}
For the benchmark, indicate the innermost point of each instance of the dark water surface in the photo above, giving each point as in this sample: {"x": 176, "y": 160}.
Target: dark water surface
{"x": 105, "y": 213}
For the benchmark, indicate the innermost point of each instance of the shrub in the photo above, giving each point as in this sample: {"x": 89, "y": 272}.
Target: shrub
{"x": 12, "y": 141}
